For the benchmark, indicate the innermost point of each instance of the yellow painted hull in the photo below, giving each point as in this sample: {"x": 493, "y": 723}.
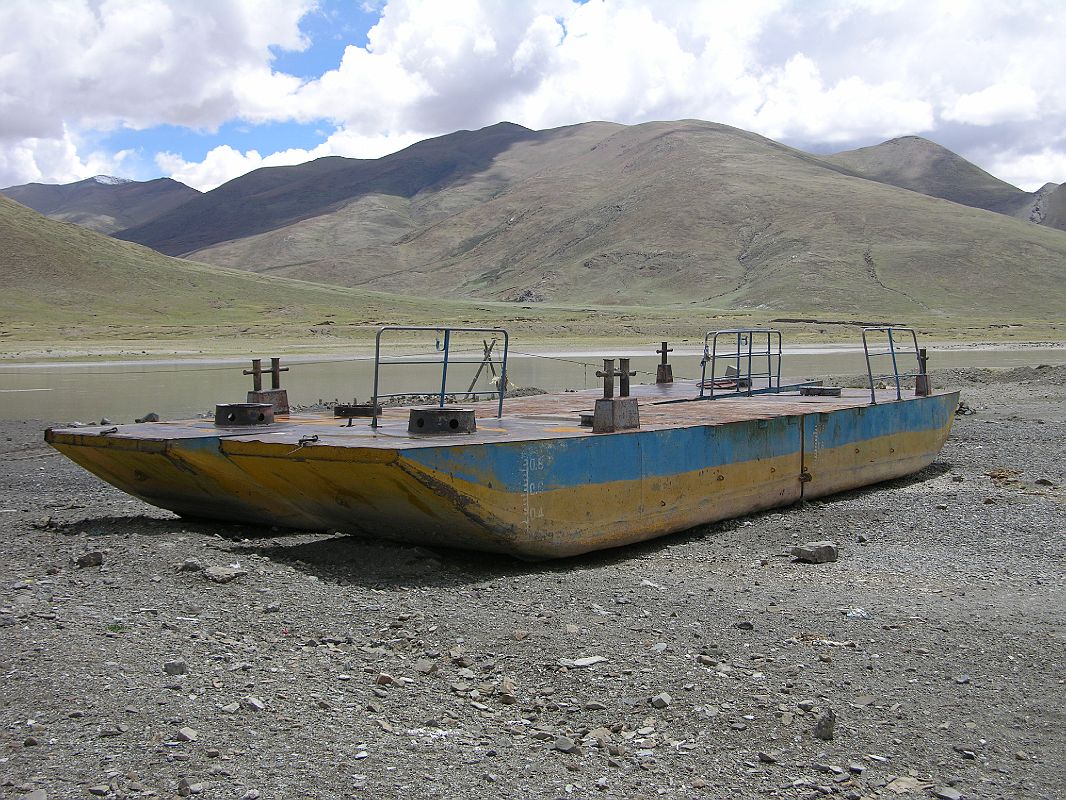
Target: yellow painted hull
{"x": 544, "y": 496}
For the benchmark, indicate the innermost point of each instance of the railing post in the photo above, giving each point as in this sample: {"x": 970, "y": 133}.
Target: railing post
{"x": 444, "y": 371}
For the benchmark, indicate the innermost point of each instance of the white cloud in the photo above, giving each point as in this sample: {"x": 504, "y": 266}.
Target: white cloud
{"x": 1030, "y": 171}
{"x": 56, "y": 160}
{"x": 837, "y": 71}
{"x": 1001, "y": 102}
{"x": 223, "y": 163}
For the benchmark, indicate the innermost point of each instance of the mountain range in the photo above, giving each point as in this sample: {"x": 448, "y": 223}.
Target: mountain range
{"x": 103, "y": 203}
{"x": 687, "y": 212}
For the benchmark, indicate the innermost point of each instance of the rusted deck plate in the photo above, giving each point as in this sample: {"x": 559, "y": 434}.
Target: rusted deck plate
{"x": 548, "y": 416}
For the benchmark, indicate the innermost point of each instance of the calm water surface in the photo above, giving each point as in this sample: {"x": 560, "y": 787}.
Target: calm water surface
{"x": 121, "y": 391}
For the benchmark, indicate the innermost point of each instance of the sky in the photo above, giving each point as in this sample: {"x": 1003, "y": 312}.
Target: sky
{"x": 206, "y": 90}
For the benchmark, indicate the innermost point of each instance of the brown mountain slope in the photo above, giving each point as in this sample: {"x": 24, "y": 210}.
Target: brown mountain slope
{"x": 269, "y": 198}
{"x": 1049, "y": 207}
{"x": 103, "y": 204}
{"x": 920, "y": 165}
{"x": 674, "y": 212}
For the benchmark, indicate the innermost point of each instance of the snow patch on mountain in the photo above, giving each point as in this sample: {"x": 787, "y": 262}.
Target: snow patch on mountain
{"x": 110, "y": 180}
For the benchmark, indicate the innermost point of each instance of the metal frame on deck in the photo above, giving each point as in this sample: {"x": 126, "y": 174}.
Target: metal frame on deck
{"x": 746, "y": 352}
{"x": 444, "y": 348}
{"x": 893, "y": 353}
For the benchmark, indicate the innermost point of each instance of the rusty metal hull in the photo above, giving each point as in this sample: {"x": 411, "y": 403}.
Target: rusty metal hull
{"x": 531, "y": 484}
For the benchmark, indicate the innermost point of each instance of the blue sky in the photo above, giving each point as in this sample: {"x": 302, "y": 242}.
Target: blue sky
{"x": 204, "y": 92}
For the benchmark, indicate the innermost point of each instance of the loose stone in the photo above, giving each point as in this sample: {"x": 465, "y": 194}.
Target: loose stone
{"x": 176, "y": 667}
{"x": 825, "y": 727}
{"x": 816, "y": 552}
{"x": 94, "y": 558}
{"x": 662, "y": 700}
{"x": 186, "y": 735}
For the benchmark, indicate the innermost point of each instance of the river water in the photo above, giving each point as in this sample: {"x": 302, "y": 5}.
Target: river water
{"x": 123, "y": 390}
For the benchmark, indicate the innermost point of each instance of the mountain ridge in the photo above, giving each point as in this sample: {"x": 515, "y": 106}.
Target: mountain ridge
{"x": 103, "y": 203}
{"x": 668, "y": 212}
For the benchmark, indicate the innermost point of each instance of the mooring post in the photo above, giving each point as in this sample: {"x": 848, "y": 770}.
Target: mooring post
{"x": 275, "y": 395}
{"x": 615, "y": 413}
{"x": 257, "y": 374}
{"x": 664, "y": 373}
{"x": 275, "y": 373}
{"x": 607, "y": 374}
{"x": 623, "y": 377}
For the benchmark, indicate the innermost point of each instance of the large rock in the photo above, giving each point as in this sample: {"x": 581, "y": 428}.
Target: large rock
{"x": 221, "y": 574}
{"x": 815, "y": 552}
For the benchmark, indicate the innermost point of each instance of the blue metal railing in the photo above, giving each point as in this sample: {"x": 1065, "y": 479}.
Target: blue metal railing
{"x": 444, "y": 347}
{"x": 896, "y": 354}
{"x": 747, "y": 357}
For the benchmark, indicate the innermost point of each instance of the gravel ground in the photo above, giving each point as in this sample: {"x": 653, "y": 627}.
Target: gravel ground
{"x": 335, "y": 667}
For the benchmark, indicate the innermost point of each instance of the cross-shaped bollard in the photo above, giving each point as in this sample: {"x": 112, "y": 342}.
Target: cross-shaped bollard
{"x": 257, "y": 373}
{"x": 615, "y": 413}
{"x": 664, "y": 373}
{"x": 609, "y": 373}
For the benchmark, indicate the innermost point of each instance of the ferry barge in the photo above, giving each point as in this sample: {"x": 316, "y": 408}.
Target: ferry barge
{"x": 557, "y": 474}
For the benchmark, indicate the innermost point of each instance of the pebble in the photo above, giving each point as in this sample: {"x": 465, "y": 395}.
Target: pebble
{"x": 223, "y": 574}
{"x": 185, "y": 788}
{"x": 824, "y": 728}
{"x": 253, "y": 703}
{"x": 384, "y": 679}
{"x": 191, "y": 565}
{"x": 94, "y": 558}
{"x": 564, "y": 744}
{"x": 186, "y": 735}
{"x": 662, "y": 700}
{"x": 100, "y": 790}
{"x": 947, "y": 793}
{"x": 822, "y": 552}
{"x": 767, "y": 758}
{"x": 587, "y": 661}
{"x": 176, "y": 667}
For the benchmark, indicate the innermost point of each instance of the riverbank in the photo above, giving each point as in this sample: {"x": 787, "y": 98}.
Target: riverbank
{"x": 538, "y": 329}
{"x": 339, "y": 667}
{"x": 124, "y": 389}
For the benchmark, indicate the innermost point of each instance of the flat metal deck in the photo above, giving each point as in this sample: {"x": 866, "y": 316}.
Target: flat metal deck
{"x": 537, "y": 417}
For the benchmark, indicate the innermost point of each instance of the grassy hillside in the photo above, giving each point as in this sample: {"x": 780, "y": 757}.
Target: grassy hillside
{"x": 63, "y": 280}
{"x": 688, "y": 213}
{"x": 69, "y": 291}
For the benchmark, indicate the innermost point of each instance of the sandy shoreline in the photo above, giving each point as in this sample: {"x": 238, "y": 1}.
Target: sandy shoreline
{"x": 621, "y": 348}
